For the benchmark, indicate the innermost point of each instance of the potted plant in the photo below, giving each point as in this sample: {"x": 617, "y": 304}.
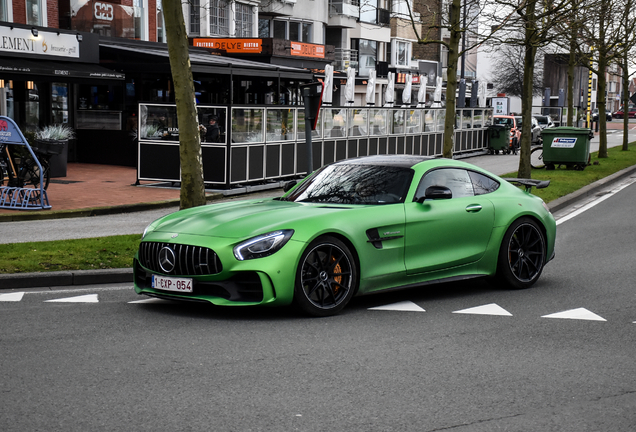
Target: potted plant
{"x": 52, "y": 142}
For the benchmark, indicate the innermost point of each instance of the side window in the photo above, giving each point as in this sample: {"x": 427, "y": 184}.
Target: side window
{"x": 457, "y": 180}
{"x": 482, "y": 184}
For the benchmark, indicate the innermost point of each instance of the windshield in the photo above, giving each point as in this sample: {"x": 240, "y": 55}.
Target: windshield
{"x": 542, "y": 119}
{"x": 354, "y": 184}
{"x": 503, "y": 121}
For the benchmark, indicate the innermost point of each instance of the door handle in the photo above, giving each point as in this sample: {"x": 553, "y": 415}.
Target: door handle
{"x": 473, "y": 208}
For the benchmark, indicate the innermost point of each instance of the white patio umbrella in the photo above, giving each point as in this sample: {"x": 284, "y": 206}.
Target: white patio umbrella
{"x": 350, "y": 86}
{"x": 327, "y": 93}
{"x": 437, "y": 96}
{"x": 481, "y": 94}
{"x": 371, "y": 88}
{"x": 406, "y": 94}
{"x": 389, "y": 93}
{"x": 421, "y": 93}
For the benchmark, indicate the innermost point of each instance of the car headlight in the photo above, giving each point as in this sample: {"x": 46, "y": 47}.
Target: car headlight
{"x": 262, "y": 245}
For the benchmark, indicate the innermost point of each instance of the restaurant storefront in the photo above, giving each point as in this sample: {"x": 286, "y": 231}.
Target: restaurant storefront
{"x": 54, "y": 77}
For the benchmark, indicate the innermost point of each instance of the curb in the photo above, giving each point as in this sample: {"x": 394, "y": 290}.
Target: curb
{"x": 103, "y": 276}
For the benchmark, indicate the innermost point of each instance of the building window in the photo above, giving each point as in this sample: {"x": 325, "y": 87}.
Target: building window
{"x": 33, "y": 12}
{"x": 307, "y": 32}
{"x": 219, "y": 22}
{"x": 294, "y": 31}
{"x": 369, "y": 11}
{"x": 402, "y": 53}
{"x": 4, "y": 15}
{"x": 280, "y": 29}
{"x": 243, "y": 18}
{"x": 161, "y": 25}
{"x": 263, "y": 28}
{"x": 195, "y": 17}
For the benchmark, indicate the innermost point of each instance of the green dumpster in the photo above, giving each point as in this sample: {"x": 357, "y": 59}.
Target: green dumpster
{"x": 568, "y": 146}
{"x": 499, "y": 136}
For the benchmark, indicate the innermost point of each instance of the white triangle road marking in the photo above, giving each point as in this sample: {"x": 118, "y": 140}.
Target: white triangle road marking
{"x": 405, "y": 306}
{"x": 12, "y": 297}
{"x": 489, "y": 309}
{"x": 88, "y": 298}
{"x": 580, "y": 314}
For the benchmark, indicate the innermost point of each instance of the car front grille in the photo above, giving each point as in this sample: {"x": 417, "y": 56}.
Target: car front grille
{"x": 177, "y": 259}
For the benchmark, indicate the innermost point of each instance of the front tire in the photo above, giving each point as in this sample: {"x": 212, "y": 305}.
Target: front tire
{"x": 326, "y": 278}
{"x": 536, "y": 158}
{"x": 522, "y": 254}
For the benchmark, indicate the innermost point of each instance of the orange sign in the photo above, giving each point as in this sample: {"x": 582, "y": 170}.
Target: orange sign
{"x": 307, "y": 50}
{"x": 251, "y": 46}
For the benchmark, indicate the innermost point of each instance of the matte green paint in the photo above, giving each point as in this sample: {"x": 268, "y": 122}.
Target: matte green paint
{"x": 430, "y": 241}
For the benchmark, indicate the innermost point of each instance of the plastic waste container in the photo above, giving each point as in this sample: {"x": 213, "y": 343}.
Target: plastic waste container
{"x": 499, "y": 136}
{"x": 568, "y": 146}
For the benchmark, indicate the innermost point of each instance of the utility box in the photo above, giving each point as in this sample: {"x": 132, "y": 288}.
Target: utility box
{"x": 499, "y": 136}
{"x": 568, "y": 146}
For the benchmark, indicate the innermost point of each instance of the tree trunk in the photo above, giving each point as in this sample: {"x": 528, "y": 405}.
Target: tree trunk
{"x": 526, "y": 98}
{"x": 192, "y": 186}
{"x": 602, "y": 84}
{"x": 451, "y": 79}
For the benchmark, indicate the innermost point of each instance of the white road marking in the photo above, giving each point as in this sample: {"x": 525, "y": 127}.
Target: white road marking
{"x": 596, "y": 201}
{"x": 580, "y": 314}
{"x": 405, "y": 306}
{"x": 12, "y": 297}
{"x": 489, "y": 309}
{"x": 150, "y": 300}
{"x": 88, "y": 298}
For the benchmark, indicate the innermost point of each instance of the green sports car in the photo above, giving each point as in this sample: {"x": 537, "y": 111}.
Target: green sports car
{"x": 353, "y": 227}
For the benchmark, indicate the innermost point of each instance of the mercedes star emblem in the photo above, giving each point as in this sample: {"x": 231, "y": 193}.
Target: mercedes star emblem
{"x": 166, "y": 259}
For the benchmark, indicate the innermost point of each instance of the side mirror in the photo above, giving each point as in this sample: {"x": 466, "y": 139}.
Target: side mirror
{"x": 289, "y": 186}
{"x": 436, "y": 192}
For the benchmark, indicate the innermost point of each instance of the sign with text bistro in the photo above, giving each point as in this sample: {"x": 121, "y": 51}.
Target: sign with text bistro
{"x": 231, "y": 45}
{"x": 260, "y": 46}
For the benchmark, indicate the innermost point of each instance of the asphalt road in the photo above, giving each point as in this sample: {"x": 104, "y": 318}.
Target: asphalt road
{"x": 556, "y": 357}
{"x": 135, "y": 223}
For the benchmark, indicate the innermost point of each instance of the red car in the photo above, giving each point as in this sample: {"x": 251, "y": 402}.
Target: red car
{"x": 631, "y": 114}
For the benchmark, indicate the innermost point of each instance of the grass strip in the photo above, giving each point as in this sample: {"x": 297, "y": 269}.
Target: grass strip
{"x": 118, "y": 251}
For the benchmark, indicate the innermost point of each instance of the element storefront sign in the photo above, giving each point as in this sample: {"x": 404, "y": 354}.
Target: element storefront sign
{"x": 21, "y": 41}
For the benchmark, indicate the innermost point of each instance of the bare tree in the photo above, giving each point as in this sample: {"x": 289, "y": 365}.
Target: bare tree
{"x": 192, "y": 185}
{"x": 509, "y": 75}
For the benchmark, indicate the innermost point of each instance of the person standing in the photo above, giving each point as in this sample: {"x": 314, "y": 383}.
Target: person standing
{"x": 213, "y": 131}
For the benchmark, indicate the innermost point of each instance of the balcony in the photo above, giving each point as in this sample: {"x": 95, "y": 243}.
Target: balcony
{"x": 344, "y": 59}
{"x": 343, "y": 13}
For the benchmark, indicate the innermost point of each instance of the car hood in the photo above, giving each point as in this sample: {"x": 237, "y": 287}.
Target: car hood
{"x": 243, "y": 219}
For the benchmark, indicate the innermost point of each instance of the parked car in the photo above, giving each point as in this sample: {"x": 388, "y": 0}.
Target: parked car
{"x": 631, "y": 114}
{"x": 608, "y": 115}
{"x": 544, "y": 121}
{"x": 354, "y": 227}
{"x": 515, "y": 132}
{"x": 535, "y": 130}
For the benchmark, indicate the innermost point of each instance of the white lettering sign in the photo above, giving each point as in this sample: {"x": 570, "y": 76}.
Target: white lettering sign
{"x": 104, "y": 11}
{"x": 22, "y": 41}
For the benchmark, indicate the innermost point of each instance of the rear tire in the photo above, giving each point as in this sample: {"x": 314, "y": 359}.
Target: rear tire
{"x": 326, "y": 279}
{"x": 521, "y": 254}
{"x": 536, "y": 158}
{"x": 30, "y": 174}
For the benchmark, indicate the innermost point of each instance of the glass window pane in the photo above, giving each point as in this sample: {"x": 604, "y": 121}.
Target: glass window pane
{"x": 358, "y": 122}
{"x": 33, "y": 12}
{"x": 429, "y": 120}
{"x": 335, "y": 122}
{"x": 307, "y": 32}
{"x": 467, "y": 119}
{"x": 247, "y": 125}
{"x": 377, "y": 122}
{"x": 219, "y": 18}
{"x": 280, "y": 124}
{"x": 294, "y": 32}
{"x": 457, "y": 180}
{"x": 441, "y": 119}
{"x": 195, "y": 16}
{"x": 398, "y": 121}
{"x": 413, "y": 121}
{"x": 316, "y": 133}
{"x": 280, "y": 29}
{"x": 243, "y": 20}
{"x": 263, "y": 28}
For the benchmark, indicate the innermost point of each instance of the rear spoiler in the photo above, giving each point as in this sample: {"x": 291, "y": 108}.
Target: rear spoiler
{"x": 529, "y": 183}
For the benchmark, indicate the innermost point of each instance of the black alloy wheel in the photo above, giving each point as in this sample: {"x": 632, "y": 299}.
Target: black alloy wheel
{"x": 522, "y": 254}
{"x": 326, "y": 278}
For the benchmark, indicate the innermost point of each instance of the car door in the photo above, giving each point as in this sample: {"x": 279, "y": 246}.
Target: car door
{"x": 443, "y": 233}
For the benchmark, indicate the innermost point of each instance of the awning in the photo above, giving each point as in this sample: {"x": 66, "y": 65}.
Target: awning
{"x": 57, "y": 69}
{"x": 202, "y": 61}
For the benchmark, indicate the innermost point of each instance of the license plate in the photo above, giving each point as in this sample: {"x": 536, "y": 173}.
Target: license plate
{"x": 172, "y": 283}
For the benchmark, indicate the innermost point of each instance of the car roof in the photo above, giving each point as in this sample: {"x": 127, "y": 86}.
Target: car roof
{"x": 400, "y": 161}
